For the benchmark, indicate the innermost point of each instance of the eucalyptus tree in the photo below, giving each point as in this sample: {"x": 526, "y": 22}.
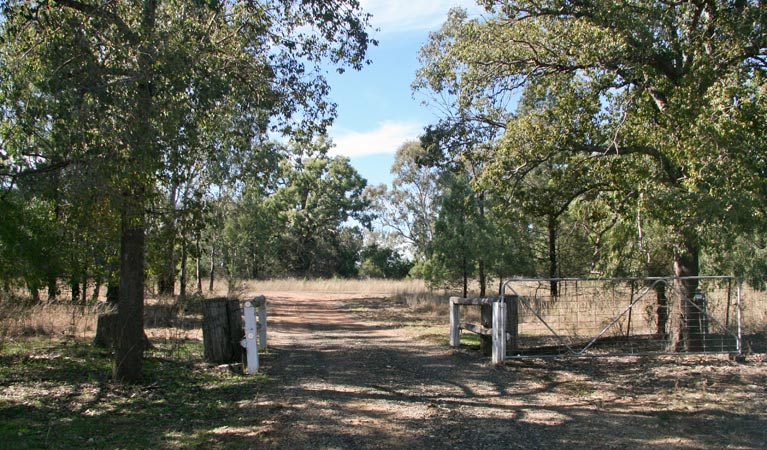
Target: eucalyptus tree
{"x": 316, "y": 200}
{"x": 103, "y": 83}
{"x": 681, "y": 92}
{"x": 409, "y": 210}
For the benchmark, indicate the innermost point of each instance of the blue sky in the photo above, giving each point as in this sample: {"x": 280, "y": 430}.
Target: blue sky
{"x": 376, "y": 109}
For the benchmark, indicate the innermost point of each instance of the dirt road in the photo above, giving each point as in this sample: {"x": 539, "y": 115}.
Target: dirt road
{"x": 356, "y": 373}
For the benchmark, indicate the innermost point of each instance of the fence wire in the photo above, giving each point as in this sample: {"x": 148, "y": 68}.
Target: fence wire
{"x": 560, "y": 317}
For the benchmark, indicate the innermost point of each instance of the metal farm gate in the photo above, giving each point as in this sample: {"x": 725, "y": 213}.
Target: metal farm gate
{"x": 562, "y": 317}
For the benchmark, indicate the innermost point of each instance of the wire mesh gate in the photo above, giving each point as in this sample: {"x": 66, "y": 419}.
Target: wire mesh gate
{"x": 559, "y": 317}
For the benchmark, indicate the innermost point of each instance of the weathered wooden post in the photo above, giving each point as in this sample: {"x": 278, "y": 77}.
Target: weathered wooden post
{"x": 512, "y": 322}
{"x": 486, "y": 321}
{"x": 222, "y": 330}
{"x": 261, "y": 322}
{"x": 499, "y": 332}
{"x": 455, "y": 322}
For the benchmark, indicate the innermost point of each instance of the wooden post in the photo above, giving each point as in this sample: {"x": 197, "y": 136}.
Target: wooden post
{"x": 249, "y": 342}
{"x": 499, "y": 332}
{"x": 222, "y": 330}
{"x": 486, "y": 320}
{"x": 512, "y": 322}
{"x": 455, "y": 320}
{"x": 261, "y": 301}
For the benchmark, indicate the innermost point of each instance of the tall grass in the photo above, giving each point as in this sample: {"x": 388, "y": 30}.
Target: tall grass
{"x": 48, "y": 319}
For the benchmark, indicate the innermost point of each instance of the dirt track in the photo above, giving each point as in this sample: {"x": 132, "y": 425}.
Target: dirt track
{"x": 355, "y": 373}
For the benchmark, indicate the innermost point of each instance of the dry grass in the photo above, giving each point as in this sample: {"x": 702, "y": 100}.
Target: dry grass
{"x": 388, "y": 288}
{"x": 48, "y": 319}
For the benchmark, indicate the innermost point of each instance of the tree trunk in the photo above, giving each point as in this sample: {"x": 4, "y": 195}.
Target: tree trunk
{"x": 212, "y": 267}
{"x": 166, "y": 285}
{"x": 197, "y": 265}
{"x": 482, "y": 278}
{"x": 661, "y": 309}
{"x": 465, "y": 277}
{"x": 84, "y": 292}
{"x": 182, "y": 281}
{"x": 53, "y": 289}
{"x": 552, "y": 228}
{"x": 113, "y": 291}
{"x": 96, "y": 287}
{"x": 106, "y": 332}
{"x": 75, "y": 289}
{"x": 129, "y": 351}
{"x": 692, "y": 318}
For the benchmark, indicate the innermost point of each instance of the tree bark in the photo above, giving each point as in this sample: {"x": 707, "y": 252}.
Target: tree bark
{"x": 167, "y": 282}
{"x": 482, "y": 278}
{"x": 212, "y": 267}
{"x": 692, "y": 318}
{"x": 53, "y": 289}
{"x": 661, "y": 309}
{"x": 129, "y": 351}
{"x": 552, "y": 228}
{"x": 74, "y": 287}
{"x": 182, "y": 280}
{"x": 222, "y": 330}
{"x": 113, "y": 290}
{"x": 198, "y": 269}
{"x": 486, "y": 319}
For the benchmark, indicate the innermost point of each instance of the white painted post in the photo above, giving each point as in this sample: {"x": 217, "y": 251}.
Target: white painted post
{"x": 499, "y": 332}
{"x": 455, "y": 338}
{"x": 262, "y": 323}
{"x": 249, "y": 342}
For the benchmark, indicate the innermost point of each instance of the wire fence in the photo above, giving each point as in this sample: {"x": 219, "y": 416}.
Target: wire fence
{"x": 625, "y": 316}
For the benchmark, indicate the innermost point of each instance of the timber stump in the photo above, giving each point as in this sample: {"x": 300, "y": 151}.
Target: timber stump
{"x": 222, "y": 331}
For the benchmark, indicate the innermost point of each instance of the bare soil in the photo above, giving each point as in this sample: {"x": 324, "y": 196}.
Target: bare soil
{"x": 356, "y": 372}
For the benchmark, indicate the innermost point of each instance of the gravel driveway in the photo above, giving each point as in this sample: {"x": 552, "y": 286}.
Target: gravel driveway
{"x": 365, "y": 373}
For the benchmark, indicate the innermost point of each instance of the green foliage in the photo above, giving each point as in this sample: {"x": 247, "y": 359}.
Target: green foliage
{"x": 382, "y": 262}
{"x": 143, "y": 100}
{"x": 640, "y": 127}
{"x": 301, "y": 227}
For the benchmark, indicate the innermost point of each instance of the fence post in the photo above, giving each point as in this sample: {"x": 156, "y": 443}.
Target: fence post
{"x": 261, "y": 322}
{"x": 455, "y": 338}
{"x": 499, "y": 332}
{"x": 249, "y": 342}
{"x": 512, "y": 321}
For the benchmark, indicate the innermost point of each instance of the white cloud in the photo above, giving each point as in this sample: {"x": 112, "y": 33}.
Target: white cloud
{"x": 387, "y": 138}
{"x": 393, "y": 16}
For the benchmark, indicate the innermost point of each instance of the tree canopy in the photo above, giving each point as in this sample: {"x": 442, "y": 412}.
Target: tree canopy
{"x": 116, "y": 94}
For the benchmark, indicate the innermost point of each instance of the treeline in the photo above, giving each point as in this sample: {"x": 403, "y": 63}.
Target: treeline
{"x": 294, "y": 212}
